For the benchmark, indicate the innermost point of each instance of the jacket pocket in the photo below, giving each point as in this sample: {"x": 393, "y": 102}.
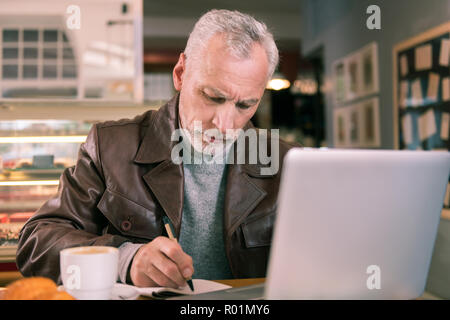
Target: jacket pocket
{"x": 258, "y": 229}
{"x": 129, "y": 217}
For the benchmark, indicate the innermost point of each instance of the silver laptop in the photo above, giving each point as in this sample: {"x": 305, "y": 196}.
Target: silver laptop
{"x": 352, "y": 224}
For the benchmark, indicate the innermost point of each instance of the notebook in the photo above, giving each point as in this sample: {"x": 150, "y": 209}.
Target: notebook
{"x": 128, "y": 292}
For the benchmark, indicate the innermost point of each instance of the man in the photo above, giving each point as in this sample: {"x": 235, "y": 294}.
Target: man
{"x": 125, "y": 179}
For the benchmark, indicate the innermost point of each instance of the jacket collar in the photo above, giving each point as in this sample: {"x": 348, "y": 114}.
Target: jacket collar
{"x": 156, "y": 145}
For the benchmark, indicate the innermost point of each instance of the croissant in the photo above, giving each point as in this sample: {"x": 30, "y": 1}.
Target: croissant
{"x": 35, "y": 288}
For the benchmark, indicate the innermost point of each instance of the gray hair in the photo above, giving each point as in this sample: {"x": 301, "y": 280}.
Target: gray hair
{"x": 240, "y": 30}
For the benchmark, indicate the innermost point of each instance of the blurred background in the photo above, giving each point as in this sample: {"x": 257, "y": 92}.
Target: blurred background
{"x": 352, "y": 74}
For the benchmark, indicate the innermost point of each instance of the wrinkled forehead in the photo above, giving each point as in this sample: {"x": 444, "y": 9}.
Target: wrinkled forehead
{"x": 218, "y": 64}
{"x": 217, "y": 50}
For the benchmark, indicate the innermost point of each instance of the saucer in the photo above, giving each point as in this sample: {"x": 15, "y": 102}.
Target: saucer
{"x": 119, "y": 292}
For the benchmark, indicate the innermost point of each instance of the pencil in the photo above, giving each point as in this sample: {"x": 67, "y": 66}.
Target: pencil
{"x": 171, "y": 235}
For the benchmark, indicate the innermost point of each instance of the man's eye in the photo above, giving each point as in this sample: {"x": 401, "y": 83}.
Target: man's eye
{"x": 242, "y": 106}
{"x": 216, "y": 99}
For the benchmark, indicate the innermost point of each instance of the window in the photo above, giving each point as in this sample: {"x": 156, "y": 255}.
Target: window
{"x": 38, "y": 54}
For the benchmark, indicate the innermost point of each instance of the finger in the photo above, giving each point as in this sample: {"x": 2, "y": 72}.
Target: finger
{"x": 160, "y": 278}
{"x": 142, "y": 280}
{"x": 183, "y": 261}
{"x": 138, "y": 267}
{"x": 169, "y": 269}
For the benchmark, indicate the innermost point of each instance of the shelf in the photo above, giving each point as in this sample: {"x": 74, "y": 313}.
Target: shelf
{"x": 31, "y": 175}
{"x": 21, "y": 206}
{"x": 44, "y": 139}
{"x": 8, "y": 253}
{"x": 73, "y": 110}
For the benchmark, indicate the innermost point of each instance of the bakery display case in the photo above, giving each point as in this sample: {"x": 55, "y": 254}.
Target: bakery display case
{"x": 37, "y": 142}
{"x": 33, "y": 154}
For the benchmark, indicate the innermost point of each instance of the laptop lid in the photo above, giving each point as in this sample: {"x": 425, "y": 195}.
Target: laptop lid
{"x": 356, "y": 224}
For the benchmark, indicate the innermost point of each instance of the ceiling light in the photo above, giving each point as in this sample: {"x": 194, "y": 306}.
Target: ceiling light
{"x": 278, "y": 82}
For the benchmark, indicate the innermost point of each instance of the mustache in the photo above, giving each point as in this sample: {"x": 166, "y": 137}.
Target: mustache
{"x": 214, "y": 135}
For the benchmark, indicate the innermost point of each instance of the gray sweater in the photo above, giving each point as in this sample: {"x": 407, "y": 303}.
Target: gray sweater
{"x": 202, "y": 222}
{"x": 201, "y": 234}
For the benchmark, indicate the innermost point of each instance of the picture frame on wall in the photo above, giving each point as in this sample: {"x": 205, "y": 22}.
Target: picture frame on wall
{"x": 340, "y": 91}
{"x": 370, "y": 123}
{"x": 356, "y": 112}
{"x": 356, "y": 75}
{"x": 369, "y": 69}
{"x": 355, "y": 125}
{"x": 341, "y": 127}
{"x": 353, "y": 74}
{"x": 358, "y": 125}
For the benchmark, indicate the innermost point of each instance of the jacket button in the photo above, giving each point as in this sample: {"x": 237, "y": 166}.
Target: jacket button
{"x": 126, "y": 225}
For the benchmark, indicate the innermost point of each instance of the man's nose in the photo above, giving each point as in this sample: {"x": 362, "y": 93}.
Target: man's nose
{"x": 224, "y": 117}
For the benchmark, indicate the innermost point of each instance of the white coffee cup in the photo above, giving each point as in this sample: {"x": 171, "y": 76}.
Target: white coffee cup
{"x": 89, "y": 273}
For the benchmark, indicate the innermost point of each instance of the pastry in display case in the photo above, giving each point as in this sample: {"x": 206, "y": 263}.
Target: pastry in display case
{"x": 33, "y": 154}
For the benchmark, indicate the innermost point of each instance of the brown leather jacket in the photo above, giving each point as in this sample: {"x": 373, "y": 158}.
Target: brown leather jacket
{"x": 123, "y": 183}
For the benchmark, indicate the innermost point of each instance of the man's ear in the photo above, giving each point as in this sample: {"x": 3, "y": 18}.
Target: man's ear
{"x": 178, "y": 72}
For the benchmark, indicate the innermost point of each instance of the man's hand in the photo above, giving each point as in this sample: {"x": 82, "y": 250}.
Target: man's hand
{"x": 161, "y": 262}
